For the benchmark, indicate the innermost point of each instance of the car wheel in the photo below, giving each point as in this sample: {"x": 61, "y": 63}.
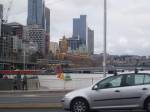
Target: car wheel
{"x": 147, "y": 106}
{"x": 79, "y": 105}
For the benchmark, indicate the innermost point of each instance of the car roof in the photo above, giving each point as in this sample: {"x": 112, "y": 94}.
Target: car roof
{"x": 134, "y": 74}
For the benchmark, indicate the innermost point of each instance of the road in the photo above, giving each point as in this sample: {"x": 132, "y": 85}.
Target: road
{"x": 31, "y": 98}
{"x": 50, "y": 110}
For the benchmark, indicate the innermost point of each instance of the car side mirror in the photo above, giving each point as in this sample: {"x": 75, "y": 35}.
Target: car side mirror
{"x": 95, "y": 87}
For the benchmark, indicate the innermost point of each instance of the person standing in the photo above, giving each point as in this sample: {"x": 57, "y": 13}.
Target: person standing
{"x": 15, "y": 83}
{"x": 24, "y": 83}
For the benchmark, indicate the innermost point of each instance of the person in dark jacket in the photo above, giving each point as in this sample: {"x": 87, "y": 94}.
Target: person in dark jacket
{"x": 24, "y": 83}
{"x": 15, "y": 83}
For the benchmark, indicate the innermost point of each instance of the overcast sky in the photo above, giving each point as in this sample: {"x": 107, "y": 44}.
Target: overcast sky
{"x": 128, "y": 22}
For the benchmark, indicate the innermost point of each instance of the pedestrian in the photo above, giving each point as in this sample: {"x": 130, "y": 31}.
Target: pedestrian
{"x": 15, "y": 83}
{"x": 24, "y": 83}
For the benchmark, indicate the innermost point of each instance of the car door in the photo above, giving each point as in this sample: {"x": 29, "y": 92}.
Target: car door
{"x": 132, "y": 90}
{"x": 147, "y": 82}
{"x": 108, "y": 93}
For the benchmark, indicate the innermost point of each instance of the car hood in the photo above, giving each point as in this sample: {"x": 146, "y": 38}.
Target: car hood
{"x": 80, "y": 92}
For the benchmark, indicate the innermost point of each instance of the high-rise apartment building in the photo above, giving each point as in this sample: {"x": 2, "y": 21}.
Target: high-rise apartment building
{"x": 80, "y": 29}
{"x": 36, "y": 13}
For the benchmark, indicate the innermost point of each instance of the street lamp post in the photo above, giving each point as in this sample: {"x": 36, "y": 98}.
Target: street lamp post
{"x": 24, "y": 57}
{"x": 4, "y": 57}
{"x": 105, "y": 38}
{"x": 24, "y": 53}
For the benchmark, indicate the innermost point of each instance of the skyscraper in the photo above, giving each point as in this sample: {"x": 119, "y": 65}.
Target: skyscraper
{"x": 47, "y": 29}
{"x": 90, "y": 41}
{"x": 80, "y": 29}
{"x": 36, "y": 13}
{"x": 1, "y": 17}
{"x": 84, "y": 35}
{"x": 1, "y": 11}
{"x": 47, "y": 16}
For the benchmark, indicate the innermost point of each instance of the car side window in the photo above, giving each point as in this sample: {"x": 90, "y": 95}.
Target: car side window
{"x": 134, "y": 79}
{"x": 129, "y": 80}
{"x": 139, "y": 79}
{"x": 147, "y": 79}
{"x": 111, "y": 82}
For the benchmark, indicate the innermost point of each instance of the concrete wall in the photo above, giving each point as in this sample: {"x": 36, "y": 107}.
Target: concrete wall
{"x": 77, "y": 81}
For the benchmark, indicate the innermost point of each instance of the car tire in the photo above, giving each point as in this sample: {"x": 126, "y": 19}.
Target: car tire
{"x": 79, "y": 105}
{"x": 147, "y": 105}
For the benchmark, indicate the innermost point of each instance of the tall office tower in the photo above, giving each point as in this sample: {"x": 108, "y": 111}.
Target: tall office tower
{"x": 47, "y": 16}
{"x": 47, "y": 29}
{"x": 1, "y": 17}
{"x": 90, "y": 41}
{"x": 1, "y": 11}
{"x": 36, "y": 13}
{"x": 80, "y": 29}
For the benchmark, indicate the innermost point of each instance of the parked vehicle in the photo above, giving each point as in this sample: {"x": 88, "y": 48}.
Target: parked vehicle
{"x": 124, "y": 91}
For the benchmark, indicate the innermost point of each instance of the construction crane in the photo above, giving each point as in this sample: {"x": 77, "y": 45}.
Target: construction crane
{"x": 5, "y": 18}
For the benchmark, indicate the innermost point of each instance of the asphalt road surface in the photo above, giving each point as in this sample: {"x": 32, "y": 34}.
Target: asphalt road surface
{"x": 31, "y": 98}
{"x": 50, "y": 110}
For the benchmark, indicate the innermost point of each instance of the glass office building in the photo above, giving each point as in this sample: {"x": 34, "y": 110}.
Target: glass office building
{"x": 36, "y": 13}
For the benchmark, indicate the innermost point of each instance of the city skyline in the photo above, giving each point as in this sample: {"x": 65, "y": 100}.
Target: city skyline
{"x": 127, "y": 22}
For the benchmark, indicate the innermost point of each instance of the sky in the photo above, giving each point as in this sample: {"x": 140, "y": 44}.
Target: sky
{"x": 128, "y": 22}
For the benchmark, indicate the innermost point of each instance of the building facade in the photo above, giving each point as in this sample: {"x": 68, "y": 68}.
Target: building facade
{"x": 47, "y": 16}
{"x": 17, "y": 29}
{"x": 73, "y": 44}
{"x": 80, "y": 29}
{"x": 1, "y": 17}
{"x": 63, "y": 45}
{"x": 10, "y": 45}
{"x": 36, "y": 13}
{"x": 1, "y": 11}
{"x": 53, "y": 47}
{"x": 90, "y": 41}
{"x": 37, "y": 36}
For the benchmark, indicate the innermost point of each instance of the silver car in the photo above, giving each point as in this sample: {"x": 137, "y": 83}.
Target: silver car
{"x": 125, "y": 91}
